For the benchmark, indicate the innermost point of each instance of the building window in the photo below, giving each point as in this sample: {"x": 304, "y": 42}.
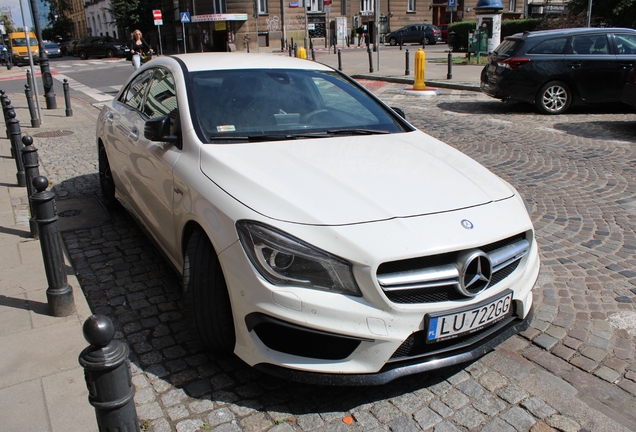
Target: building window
{"x": 315, "y": 6}
{"x": 220, "y": 6}
{"x": 410, "y": 6}
{"x": 262, "y": 7}
{"x": 366, "y": 5}
{"x": 512, "y": 5}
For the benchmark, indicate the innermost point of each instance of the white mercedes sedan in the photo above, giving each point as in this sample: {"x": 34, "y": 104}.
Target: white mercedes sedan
{"x": 320, "y": 236}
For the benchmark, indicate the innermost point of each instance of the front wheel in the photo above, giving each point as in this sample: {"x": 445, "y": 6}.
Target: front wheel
{"x": 83, "y": 55}
{"x": 553, "y": 98}
{"x": 205, "y": 295}
{"x": 110, "y": 53}
{"x": 393, "y": 41}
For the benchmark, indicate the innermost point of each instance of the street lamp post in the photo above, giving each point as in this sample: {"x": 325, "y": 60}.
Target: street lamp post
{"x": 47, "y": 79}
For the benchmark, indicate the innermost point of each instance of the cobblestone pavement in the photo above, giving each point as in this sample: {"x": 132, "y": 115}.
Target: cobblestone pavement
{"x": 573, "y": 369}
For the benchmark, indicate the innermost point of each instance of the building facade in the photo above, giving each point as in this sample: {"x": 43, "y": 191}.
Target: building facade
{"x": 99, "y": 21}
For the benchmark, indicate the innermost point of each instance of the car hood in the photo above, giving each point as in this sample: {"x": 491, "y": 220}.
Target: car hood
{"x": 338, "y": 181}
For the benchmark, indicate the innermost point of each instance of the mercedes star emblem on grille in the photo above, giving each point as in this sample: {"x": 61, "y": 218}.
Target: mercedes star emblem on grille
{"x": 475, "y": 272}
{"x": 467, "y": 224}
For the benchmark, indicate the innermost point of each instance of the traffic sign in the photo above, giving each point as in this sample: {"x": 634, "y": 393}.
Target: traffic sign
{"x": 156, "y": 14}
{"x": 185, "y": 17}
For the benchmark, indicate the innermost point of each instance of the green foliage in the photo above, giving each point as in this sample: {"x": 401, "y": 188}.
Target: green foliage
{"x": 8, "y": 25}
{"x": 62, "y": 29}
{"x": 133, "y": 14}
{"x": 508, "y": 28}
{"x": 608, "y": 13}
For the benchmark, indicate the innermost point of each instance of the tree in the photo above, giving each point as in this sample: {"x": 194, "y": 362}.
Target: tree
{"x": 133, "y": 14}
{"x": 609, "y": 13}
{"x": 59, "y": 11}
{"x": 8, "y": 25}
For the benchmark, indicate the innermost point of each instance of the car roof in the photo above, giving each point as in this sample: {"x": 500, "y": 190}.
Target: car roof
{"x": 571, "y": 31}
{"x": 232, "y": 60}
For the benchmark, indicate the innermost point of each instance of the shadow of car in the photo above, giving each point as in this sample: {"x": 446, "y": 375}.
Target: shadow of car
{"x": 423, "y": 34}
{"x": 554, "y": 69}
{"x": 100, "y": 46}
{"x": 629, "y": 89}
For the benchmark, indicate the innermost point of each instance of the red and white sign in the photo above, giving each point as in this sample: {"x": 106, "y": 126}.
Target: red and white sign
{"x": 156, "y": 14}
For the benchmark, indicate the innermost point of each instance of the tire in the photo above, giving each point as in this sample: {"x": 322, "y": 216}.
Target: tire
{"x": 110, "y": 53}
{"x": 432, "y": 41}
{"x": 205, "y": 295}
{"x": 393, "y": 41}
{"x": 82, "y": 55}
{"x": 106, "y": 183}
{"x": 553, "y": 98}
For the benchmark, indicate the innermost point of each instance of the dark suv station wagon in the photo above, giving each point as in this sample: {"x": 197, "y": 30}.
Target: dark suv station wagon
{"x": 423, "y": 34}
{"x": 100, "y": 46}
{"x": 556, "y": 68}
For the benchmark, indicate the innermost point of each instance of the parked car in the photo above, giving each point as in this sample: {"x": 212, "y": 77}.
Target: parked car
{"x": 629, "y": 89}
{"x": 319, "y": 235}
{"x": 100, "y": 46}
{"x": 443, "y": 28}
{"x": 556, "y": 68}
{"x": 415, "y": 33}
{"x": 68, "y": 47}
{"x": 52, "y": 50}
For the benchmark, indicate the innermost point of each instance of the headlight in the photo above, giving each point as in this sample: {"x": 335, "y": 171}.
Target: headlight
{"x": 287, "y": 261}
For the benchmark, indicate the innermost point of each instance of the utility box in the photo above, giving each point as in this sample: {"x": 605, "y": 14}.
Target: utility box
{"x": 478, "y": 42}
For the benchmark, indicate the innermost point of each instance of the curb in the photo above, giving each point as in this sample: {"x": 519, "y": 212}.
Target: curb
{"x": 441, "y": 84}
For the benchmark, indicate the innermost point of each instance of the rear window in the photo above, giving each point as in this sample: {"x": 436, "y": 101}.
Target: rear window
{"x": 550, "y": 46}
{"x": 507, "y": 47}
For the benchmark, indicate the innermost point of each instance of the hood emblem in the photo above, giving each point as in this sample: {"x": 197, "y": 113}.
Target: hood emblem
{"x": 475, "y": 272}
{"x": 467, "y": 224}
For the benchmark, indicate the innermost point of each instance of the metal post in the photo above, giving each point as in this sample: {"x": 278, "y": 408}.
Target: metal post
{"x": 16, "y": 146}
{"x": 295, "y": 50}
{"x": 29, "y": 79}
{"x": 401, "y": 42}
{"x": 449, "y": 75}
{"x": 59, "y": 294}
{"x": 108, "y": 377}
{"x": 67, "y": 98}
{"x": 31, "y": 170}
{"x": 10, "y": 60}
{"x": 47, "y": 79}
{"x": 407, "y": 71}
{"x": 35, "y": 121}
{"x": 4, "y": 99}
{"x": 370, "y": 59}
{"x": 339, "y": 60}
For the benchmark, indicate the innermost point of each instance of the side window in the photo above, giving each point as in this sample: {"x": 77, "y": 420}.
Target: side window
{"x": 625, "y": 44}
{"x": 593, "y": 44}
{"x": 551, "y": 46}
{"x": 161, "y": 99}
{"x": 134, "y": 94}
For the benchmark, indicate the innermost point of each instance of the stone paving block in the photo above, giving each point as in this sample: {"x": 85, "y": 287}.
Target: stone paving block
{"x": 593, "y": 353}
{"x": 426, "y": 418}
{"x": 601, "y": 389}
{"x": 489, "y": 405}
{"x": 446, "y": 427}
{"x": 408, "y": 403}
{"x": 563, "y": 423}
{"x": 471, "y": 388}
{"x": 365, "y": 420}
{"x": 572, "y": 343}
{"x": 441, "y": 408}
{"x": 512, "y": 394}
{"x": 628, "y": 385}
{"x": 492, "y": 381}
{"x": 545, "y": 341}
{"x": 607, "y": 374}
{"x": 469, "y": 417}
{"x": 538, "y": 408}
{"x": 189, "y": 425}
{"x": 563, "y": 352}
{"x": 498, "y": 425}
{"x": 518, "y": 418}
{"x": 556, "y": 332}
{"x": 224, "y": 415}
{"x": 385, "y": 412}
{"x": 256, "y": 422}
{"x": 403, "y": 424}
{"x": 455, "y": 399}
{"x": 584, "y": 363}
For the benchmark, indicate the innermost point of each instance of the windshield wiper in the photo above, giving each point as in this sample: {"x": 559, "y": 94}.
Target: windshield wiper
{"x": 357, "y": 132}
{"x": 268, "y": 137}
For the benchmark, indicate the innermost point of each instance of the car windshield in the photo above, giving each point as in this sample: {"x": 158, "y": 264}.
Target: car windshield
{"x": 50, "y": 45}
{"x": 20, "y": 42}
{"x": 254, "y": 104}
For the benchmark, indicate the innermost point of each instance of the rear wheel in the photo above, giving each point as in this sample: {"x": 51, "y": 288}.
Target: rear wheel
{"x": 83, "y": 55}
{"x": 205, "y": 295}
{"x": 106, "y": 182}
{"x": 554, "y": 98}
{"x": 393, "y": 41}
{"x": 110, "y": 53}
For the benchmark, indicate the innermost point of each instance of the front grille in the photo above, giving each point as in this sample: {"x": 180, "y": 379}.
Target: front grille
{"x": 304, "y": 342}
{"x": 415, "y": 345}
{"x": 435, "y": 278}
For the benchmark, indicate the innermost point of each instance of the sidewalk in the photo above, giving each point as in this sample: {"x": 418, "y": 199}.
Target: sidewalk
{"x": 42, "y": 385}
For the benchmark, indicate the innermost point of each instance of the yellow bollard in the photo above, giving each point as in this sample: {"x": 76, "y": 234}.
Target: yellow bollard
{"x": 420, "y": 58}
{"x": 302, "y": 53}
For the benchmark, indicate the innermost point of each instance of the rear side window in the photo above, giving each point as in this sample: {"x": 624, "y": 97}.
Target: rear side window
{"x": 590, "y": 44}
{"x": 550, "y": 46}
{"x": 625, "y": 44}
{"x": 507, "y": 47}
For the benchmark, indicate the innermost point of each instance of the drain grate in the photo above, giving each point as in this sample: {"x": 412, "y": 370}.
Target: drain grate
{"x": 53, "y": 134}
{"x": 69, "y": 213}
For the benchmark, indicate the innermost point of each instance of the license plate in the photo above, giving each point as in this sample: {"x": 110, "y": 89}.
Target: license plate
{"x": 450, "y": 324}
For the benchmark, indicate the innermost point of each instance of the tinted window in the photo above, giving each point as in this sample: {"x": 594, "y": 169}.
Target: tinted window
{"x": 161, "y": 99}
{"x": 507, "y": 47}
{"x": 590, "y": 44}
{"x": 551, "y": 46}
{"x": 134, "y": 94}
{"x": 625, "y": 44}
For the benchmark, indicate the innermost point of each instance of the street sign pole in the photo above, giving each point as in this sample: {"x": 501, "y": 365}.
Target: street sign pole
{"x": 156, "y": 14}
{"x": 160, "y": 46}
{"x": 185, "y": 50}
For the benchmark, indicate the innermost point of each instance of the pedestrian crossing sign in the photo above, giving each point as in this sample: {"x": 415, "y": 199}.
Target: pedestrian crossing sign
{"x": 185, "y": 17}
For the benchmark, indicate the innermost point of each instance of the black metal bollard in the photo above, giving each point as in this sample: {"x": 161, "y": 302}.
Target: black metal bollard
{"x": 449, "y": 74}
{"x": 67, "y": 98}
{"x": 401, "y": 42}
{"x": 295, "y": 50}
{"x": 108, "y": 377}
{"x": 313, "y": 54}
{"x": 311, "y": 43}
{"x": 59, "y": 294}
{"x": 339, "y": 60}
{"x": 290, "y": 50}
{"x": 31, "y": 170}
{"x": 6, "y": 103}
{"x": 407, "y": 71}
{"x": 370, "y": 59}
{"x": 9, "y": 62}
{"x": 335, "y": 45}
{"x": 28, "y": 77}
{"x": 16, "y": 146}
{"x": 35, "y": 121}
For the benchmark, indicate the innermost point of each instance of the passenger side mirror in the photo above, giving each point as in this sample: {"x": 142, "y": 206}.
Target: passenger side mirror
{"x": 158, "y": 129}
{"x": 400, "y": 111}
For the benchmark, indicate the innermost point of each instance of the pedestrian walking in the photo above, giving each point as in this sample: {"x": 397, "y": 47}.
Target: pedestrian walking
{"x": 139, "y": 49}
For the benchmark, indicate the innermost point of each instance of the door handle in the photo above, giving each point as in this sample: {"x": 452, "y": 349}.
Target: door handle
{"x": 134, "y": 133}
{"x": 576, "y": 65}
{"x": 110, "y": 117}
{"x": 627, "y": 65}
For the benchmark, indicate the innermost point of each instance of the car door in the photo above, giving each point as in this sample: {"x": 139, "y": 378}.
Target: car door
{"x": 154, "y": 161}
{"x": 593, "y": 68}
{"x": 625, "y": 49}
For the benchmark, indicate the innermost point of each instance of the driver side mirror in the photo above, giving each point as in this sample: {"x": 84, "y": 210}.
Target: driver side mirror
{"x": 400, "y": 112}
{"x": 158, "y": 129}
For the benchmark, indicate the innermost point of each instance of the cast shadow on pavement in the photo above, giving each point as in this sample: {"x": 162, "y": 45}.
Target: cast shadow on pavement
{"x": 620, "y": 130}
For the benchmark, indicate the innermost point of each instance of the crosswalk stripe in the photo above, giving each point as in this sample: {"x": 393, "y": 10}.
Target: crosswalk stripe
{"x": 91, "y": 92}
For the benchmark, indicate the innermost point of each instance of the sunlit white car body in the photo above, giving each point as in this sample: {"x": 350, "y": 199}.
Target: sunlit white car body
{"x": 366, "y": 199}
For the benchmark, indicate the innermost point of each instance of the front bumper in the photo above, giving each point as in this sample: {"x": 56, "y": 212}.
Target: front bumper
{"x": 392, "y": 371}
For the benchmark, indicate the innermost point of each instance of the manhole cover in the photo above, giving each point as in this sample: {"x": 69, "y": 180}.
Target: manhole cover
{"x": 53, "y": 134}
{"x": 69, "y": 213}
